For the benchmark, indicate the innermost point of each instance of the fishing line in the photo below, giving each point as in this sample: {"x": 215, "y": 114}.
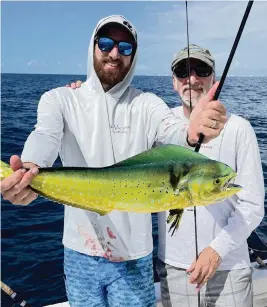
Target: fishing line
{"x": 190, "y": 101}
{"x": 227, "y": 66}
{"x": 188, "y": 57}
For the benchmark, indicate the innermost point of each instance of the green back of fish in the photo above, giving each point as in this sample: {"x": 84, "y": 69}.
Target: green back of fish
{"x": 164, "y": 154}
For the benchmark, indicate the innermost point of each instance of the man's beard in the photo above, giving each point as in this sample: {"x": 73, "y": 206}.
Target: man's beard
{"x": 110, "y": 78}
{"x": 194, "y": 96}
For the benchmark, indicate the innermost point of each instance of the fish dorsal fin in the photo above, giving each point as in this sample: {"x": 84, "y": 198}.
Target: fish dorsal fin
{"x": 163, "y": 153}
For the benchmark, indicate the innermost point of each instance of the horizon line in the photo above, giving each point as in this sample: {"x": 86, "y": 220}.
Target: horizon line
{"x": 137, "y": 75}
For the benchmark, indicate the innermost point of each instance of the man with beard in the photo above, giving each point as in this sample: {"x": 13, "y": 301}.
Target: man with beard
{"x": 107, "y": 260}
{"x": 223, "y": 265}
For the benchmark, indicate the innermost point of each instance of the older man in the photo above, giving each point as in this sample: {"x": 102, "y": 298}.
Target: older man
{"x": 222, "y": 271}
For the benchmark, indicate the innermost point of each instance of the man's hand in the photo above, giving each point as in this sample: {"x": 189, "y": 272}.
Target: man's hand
{"x": 15, "y": 188}
{"x": 204, "y": 268}
{"x": 208, "y": 117}
{"x": 75, "y": 85}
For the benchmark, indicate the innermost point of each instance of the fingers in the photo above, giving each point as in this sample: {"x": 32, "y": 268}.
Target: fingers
{"x": 213, "y": 114}
{"x": 210, "y": 133}
{"x": 217, "y": 106}
{"x": 209, "y": 96}
{"x": 206, "y": 278}
{"x": 16, "y": 198}
{"x": 212, "y": 123}
{"x": 75, "y": 85}
{"x": 191, "y": 268}
{"x": 78, "y": 83}
{"x": 15, "y": 188}
{"x": 196, "y": 277}
{"x": 212, "y": 91}
{"x": 27, "y": 178}
{"x": 25, "y": 197}
{"x": 15, "y": 162}
{"x": 202, "y": 282}
{"x": 207, "y": 128}
{"x": 12, "y": 180}
{"x": 20, "y": 185}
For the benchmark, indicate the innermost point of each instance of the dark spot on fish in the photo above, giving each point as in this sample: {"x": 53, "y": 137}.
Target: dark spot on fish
{"x": 186, "y": 169}
{"x": 174, "y": 180}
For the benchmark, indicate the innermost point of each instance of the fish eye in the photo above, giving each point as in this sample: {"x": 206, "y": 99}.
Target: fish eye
{"x": 217, "y": 181}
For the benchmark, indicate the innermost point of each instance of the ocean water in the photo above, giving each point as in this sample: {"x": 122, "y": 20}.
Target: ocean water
{"x": 32, "y": 252}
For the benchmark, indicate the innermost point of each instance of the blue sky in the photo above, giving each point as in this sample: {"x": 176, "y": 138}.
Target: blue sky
{"x": 53, "y": 37}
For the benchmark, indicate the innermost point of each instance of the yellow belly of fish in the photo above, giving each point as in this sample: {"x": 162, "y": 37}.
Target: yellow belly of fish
{"x": 105, "y": 194}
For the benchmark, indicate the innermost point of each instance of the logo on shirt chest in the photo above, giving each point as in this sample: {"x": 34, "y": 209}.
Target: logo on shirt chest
{"x": 119, "y": 129}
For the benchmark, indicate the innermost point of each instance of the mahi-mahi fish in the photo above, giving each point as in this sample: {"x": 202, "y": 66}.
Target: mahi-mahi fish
{"x": 163, "y": 178}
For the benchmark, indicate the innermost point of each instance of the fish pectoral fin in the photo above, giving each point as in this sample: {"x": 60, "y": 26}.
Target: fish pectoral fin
{"x": 174, "y": 218}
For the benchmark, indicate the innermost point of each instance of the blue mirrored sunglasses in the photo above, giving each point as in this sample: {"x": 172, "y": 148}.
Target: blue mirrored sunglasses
{"x": 106, "y": 44}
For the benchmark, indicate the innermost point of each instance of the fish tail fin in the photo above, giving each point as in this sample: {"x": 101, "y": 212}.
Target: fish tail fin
{"x": 174, "y": 218}
{"x": 5, "y": 170}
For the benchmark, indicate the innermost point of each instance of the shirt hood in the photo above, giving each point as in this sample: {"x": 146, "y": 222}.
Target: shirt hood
{"x": 118, "y": 90}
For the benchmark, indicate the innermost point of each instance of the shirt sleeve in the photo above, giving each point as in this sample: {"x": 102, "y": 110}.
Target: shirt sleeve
{"x": 42, "y": 145}
{"x": 162, "y": 125}
{"x": 249, "y": 202}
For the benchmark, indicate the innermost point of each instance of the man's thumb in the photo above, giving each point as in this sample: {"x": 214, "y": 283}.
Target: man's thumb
{"x": 212, "y": 91}
{"x": 210, "y": 95}
{"x": 15, "y": 163}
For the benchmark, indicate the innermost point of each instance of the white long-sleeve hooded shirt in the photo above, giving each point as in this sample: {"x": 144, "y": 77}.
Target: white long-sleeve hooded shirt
{"x": 226, "y": 225}
{"x": 88, "y": 127}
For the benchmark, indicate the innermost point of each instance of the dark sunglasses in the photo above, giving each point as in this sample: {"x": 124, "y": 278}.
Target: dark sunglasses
{"x": 106, "y": 44}
{"x": 202, "y": 70}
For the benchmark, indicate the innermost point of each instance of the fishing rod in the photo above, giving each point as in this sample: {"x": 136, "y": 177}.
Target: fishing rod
{"x": 14, "y": 296}
{"x": 258, "y": 259}
{"x": 229, "y": 61}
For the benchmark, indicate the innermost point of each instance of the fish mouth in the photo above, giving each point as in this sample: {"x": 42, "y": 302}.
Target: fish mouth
{"x": 228, "y": 185}
{"x": 233, "y": 185}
